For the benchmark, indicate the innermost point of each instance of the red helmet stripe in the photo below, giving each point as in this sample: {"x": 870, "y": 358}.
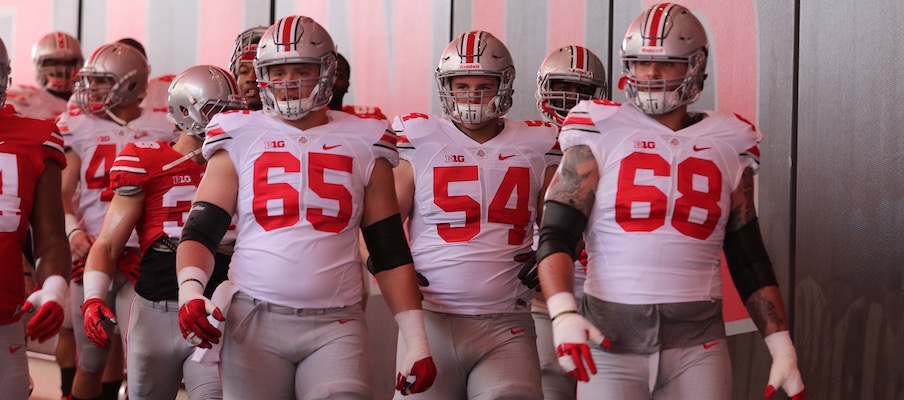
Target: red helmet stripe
{"x": 655, "y": 20}
{"x": 61, "y": 41}
{"x": 288, "y": 25}
{"x": 580, "y": 57}
{"x": 471, "y": 42}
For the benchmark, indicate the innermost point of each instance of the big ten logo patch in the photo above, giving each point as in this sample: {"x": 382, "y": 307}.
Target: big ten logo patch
{"x": 455, "y": 158}
{"x": 644, "y": 144}
{"x": 275, "y": 144}
{"x": 181, "y": 179}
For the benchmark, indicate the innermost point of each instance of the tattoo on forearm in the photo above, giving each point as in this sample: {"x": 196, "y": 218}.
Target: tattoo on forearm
{"x": 742, "y": 203}
{"x": 765, "y": 315}
{"x": 576, "y": 179}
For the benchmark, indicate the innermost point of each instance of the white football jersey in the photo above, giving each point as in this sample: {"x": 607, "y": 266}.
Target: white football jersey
{"x": 157, "y": 93}
{"x": 34, "y": 102}
{"x": 474, "y": 209}
{"x": 300, "y": 202}
{"x": 656, "y": 230}
{"x": 97, "y": 141}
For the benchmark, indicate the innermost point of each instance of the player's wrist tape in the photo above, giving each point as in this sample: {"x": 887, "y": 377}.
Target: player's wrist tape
{"x": 96, "y": 283}
{"x": 55, "y": 289}
{"x": 780, "y": 345}
{"x": 207, "y": 223}
{"x": 411, "y": 326}
{"x": 192, "y": 281}
{"x": 387, "y": 244}
{"x": 560, "y": 304}
{"x": 748, "y": 261}
{"x": 561, "y": 230}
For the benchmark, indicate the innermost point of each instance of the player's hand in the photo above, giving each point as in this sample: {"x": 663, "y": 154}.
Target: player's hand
{"x": 194, "y": 324}
{"x": 570, "y": 333}
{"x": 417, "y": 371}
{"x": 129, "y": 262}
{"x": 784, "y": 372}
{"x": 416, "y": 375}
{"x": 47, "y": 321}
{"x": 78, "y": 271}
{"x": 529, "y": 274}
{"x": 80, "y": 244}
{"x": 95, "y": 312}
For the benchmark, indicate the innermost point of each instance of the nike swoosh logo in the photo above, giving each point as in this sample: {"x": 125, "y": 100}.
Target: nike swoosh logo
{"x": 707, "y": 346}
{"x": 325, "y": 147}
{"x": 701, "y": 148}
{"x": 13, "y": 349}
{"x": 503, "y": 158}
{"x": 516, "y": 331}
{"x": 343, "y": 321}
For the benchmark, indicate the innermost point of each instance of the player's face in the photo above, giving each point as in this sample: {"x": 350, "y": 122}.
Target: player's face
{"x": 247, "y": 81}
{"x": 293, "y": 81}
{"x": 474, "y": 89}
{"x": 98, "y": 89}
{"x": 568, "y": 102}
{"x": 664, "y": 70}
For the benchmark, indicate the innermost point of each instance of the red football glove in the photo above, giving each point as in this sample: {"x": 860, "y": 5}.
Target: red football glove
{"x": 46, "y": 323}
{"x": 570, "y": 333}
{"x": 78, "y": 271}
{"x": 417, "y": 372}
{"x": 784, "y": 372}
{"x": 194, "y": 324}
{"x": 128, "y": 263}
{"x": 95, "y": 312}
{"x": 194, "y": 309}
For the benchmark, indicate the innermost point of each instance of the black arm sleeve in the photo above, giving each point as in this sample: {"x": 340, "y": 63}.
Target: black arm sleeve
{"x": 748, "y": 261}
{"x": 561, "y": 229}
{"x": 387, "y": 245}
{"x": 207, "y": 224}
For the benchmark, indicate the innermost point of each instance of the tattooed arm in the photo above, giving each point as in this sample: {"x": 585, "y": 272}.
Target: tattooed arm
{"x": 574, "y": 184}
{"x": 765, "y": 304}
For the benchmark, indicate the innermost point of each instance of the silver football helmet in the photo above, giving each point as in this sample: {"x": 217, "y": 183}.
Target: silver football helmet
{"x": 475, "y": 53}
{"x": 113, "y": 75}
{"x": 57, "y": 57}
{"x": 245, "y": 47}
{"x": 295, "y": 40}
{"x": 570, "y": 65}
{"x": 664, "y": 32}
{"x": 199, "y": 93}
{"x": 4, "y": 73}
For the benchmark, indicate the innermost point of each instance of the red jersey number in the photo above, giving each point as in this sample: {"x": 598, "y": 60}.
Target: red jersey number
{"x": 630, "y": 193}
{"x": 265, "y": 192}
{"x": 97, "y": 176}
{"x": 515, "y": 182}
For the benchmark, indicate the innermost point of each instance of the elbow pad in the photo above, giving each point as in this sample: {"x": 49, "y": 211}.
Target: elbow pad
{"x": 387, "y": 245}
{"x": 560, "y": 230}
{"x": 207, "y": 224}
{"x": 748, "y": 261}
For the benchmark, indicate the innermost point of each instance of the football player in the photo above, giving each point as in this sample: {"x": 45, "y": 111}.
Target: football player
{"x": 108, "y": 92}
{"x": 567, "y": 75}
{"x": 340, "y": 88}
{"x": 56, "y": 56}
{"x": 469, "y": 184}
{"x": 153, "y": 185}
{"x": 30, "y": 164}
{"x": 242, "y": 66}
{"x": 661, "y": 191}
{"x": 301, "y": 180}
